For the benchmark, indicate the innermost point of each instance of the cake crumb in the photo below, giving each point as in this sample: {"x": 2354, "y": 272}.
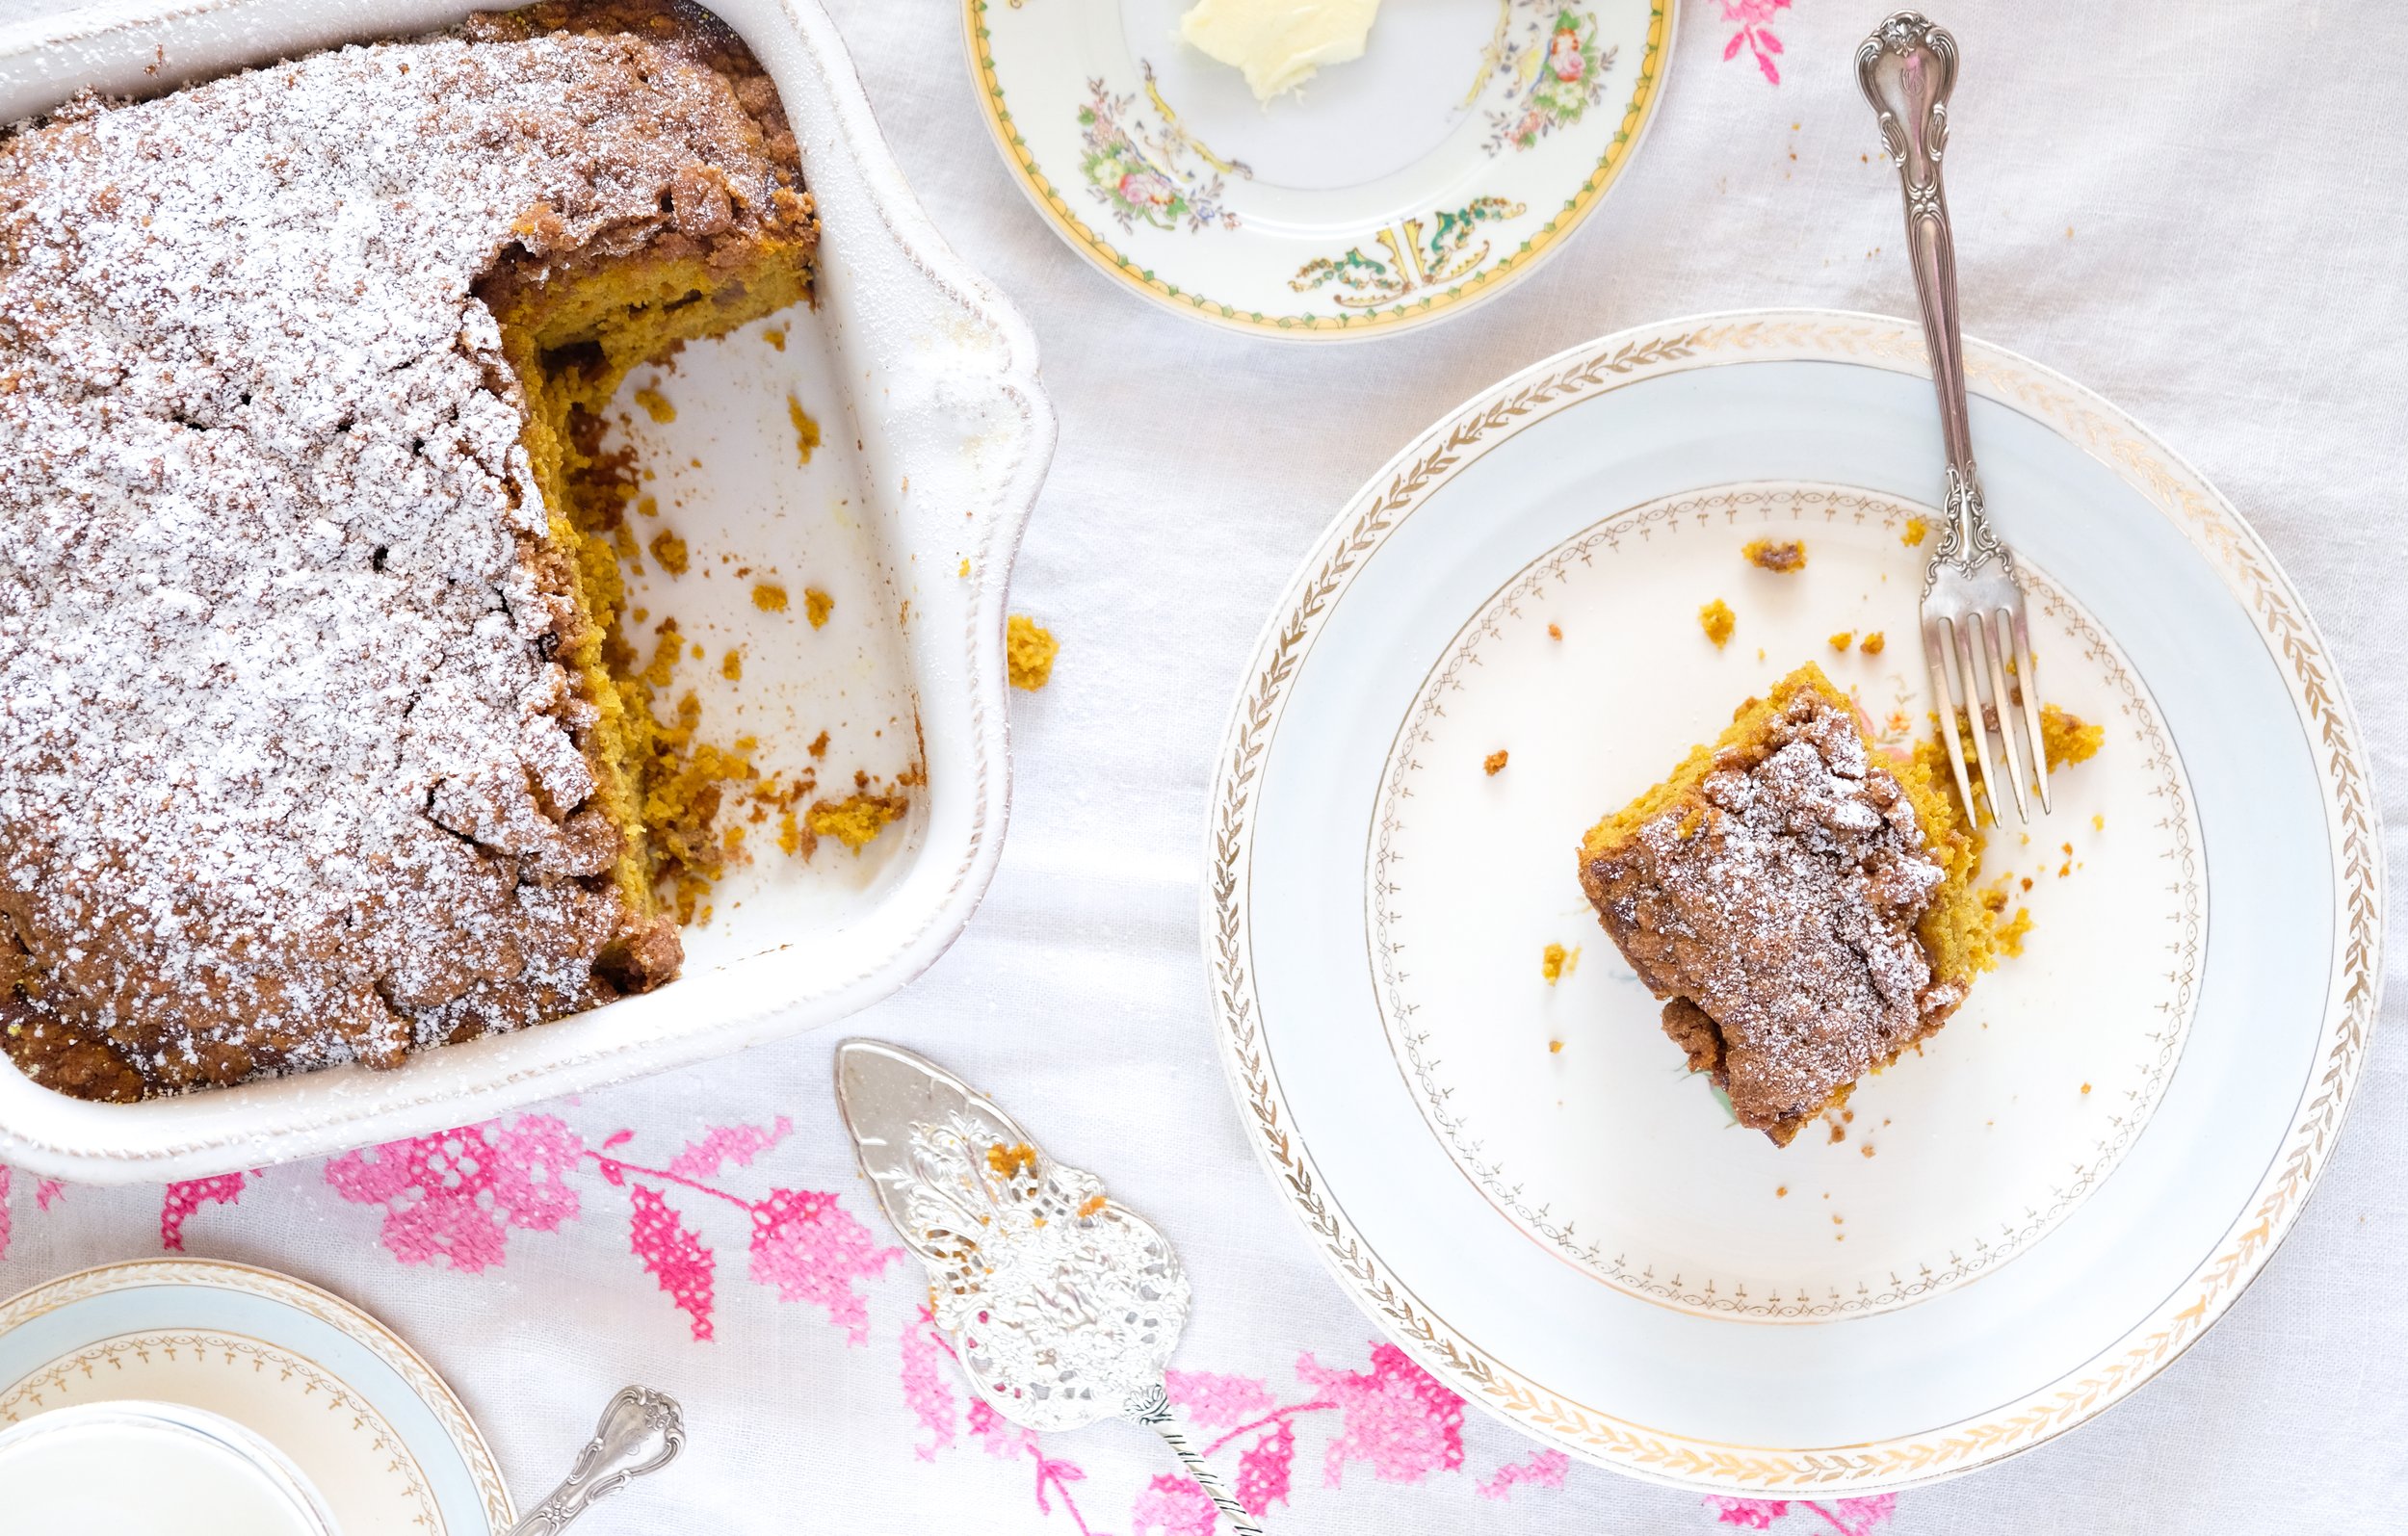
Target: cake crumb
{"x": 655, "y": 405}
{"x": 732, "y": 666}
{"x": 817, "y": 606}
{"x": 776, "y": 336}
{"x": 1717, "y": 620}
{"x": 1913, "y": 534}
{"x": 1555, "y": 962}
{"x": 1866, "y": 1150}
{"x": 819, "y": 746}
{"x": 768, "y": 597}
{"x": 2085, "y": 1087}
{"x": 1030, "y": 648}
{"x": 1553, "y": 1047}
{"x": 2098, "y": 824}
{"x": 671, "y": 551}
{"x": 1872, "y": 644}
{"x": 966, "y": 567}
{"x": 1555, "y": 631}
{"x": 1779, "y": 556}
{"x": 1781, "y": 1194}
{"x": 806, "y": 430}
{"x": 1494, "y": 763}
{"x": 2067, "y": 737}
{"x": 1841, "y": 640}
{"x": 1010, "y": 1161}
{"x": 649, "y": 506}
{"x": 790, "y": 833}
{"x": 856, "y": 819}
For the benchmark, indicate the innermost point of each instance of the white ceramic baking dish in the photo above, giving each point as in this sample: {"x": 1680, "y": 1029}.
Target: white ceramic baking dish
{"x": 934, "y": 437}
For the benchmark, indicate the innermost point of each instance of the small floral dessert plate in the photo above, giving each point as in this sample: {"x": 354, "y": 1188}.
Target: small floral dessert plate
{"x": 380, "y": 1437}
{"x": 1466, "y": 1095}
{"x": 1464, "y": 146}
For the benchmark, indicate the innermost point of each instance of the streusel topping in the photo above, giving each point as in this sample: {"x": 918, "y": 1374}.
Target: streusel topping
{"x": 288, "y": 774}
{"x": 1783, "y": 907}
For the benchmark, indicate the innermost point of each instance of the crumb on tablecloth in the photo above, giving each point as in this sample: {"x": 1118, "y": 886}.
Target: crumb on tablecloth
{"x": 1030, "y": 648}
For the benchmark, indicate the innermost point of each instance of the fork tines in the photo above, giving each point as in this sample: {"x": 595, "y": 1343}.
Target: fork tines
{"x": 1964, "y": 644}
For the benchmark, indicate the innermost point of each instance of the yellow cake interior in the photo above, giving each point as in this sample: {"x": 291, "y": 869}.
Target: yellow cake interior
{"x": 571, "y": 342}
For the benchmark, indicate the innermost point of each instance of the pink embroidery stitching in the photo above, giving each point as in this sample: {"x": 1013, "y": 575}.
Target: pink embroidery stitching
{"x": 811, "y": 1249}
{"x": 455, "y": 1195}
{"x": 1849, "y": 1517}
{"x": 722, "y": 1145}
{"x": 1173, "y": 1507}
{"x": 189, "y": 1195}
{"x": 674, "y": 1253}
{"x": 1398, "y": 1417}
{"x": 925, "y": 1387}
{"x": 1545, "y": 1469}
{"x": 1754, "y": 35}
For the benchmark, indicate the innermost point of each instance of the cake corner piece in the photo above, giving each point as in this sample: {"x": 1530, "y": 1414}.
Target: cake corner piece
{"x": 1800, "y": 902}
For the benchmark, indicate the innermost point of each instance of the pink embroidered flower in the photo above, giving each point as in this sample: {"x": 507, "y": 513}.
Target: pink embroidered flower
{"x": 1398, "y": 1417}
{"x": 1751, "y": 15}
{"x": 188, "y": 1195}
{"x": 1264, "y": 1470}
{"x": 722, "y": 1145}
{"x": 1544, "y": 1469}
{"x": 674, "y": 1253}
{"x": 811, "y": 1249}
{"x": 1173, "y": 1507}
{"x": 924, "y": 1389}
{"x": 455, "y": 1195}
{"x": 1749, "y": 1514}
{"x": 1218, "y": 1402}
{"x": 999, "y": 1435}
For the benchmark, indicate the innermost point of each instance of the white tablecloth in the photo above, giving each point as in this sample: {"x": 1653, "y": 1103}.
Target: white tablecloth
{"x": 2196, "y": 209}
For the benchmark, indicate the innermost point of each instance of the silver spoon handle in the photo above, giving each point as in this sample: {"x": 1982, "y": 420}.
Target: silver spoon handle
{"x": 641, "y": 1431}
{"x": 1152, "y": 1409}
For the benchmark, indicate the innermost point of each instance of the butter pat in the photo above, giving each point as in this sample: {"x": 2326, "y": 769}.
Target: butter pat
{"x": 1279, "y": 43}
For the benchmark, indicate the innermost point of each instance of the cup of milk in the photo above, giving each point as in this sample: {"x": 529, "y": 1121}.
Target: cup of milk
{"x": 145, "y": 1468}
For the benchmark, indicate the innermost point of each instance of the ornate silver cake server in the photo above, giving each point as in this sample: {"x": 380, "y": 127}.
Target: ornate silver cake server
{"x": 641, "y": 1431}
{"x": 1061, "y": 1305}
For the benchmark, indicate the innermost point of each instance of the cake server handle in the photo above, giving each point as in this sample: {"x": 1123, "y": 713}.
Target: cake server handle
{"x": 641, "y": 1431}
{"x": 1152, "y": 1409}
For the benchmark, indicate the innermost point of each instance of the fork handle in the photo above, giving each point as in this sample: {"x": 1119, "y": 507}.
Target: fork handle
{"x": 1907, "y": 69}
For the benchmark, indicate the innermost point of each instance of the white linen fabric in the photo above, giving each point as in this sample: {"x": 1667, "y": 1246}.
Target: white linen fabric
{"x": 2194, "y": 209}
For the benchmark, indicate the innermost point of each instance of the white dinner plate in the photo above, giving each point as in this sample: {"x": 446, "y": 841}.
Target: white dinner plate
{"x": 1518, "y": 1179}
{"x": 380, "y": 1437}
{"x": 1458, "y": 152}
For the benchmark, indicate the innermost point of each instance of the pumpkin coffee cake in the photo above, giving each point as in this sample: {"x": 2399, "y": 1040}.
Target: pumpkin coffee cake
{"x": 1804, "y": 906}
{"x": 317, "y": 738}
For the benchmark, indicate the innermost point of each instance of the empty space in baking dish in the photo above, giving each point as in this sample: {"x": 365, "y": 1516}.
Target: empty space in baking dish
{"x": 770, "y": 536}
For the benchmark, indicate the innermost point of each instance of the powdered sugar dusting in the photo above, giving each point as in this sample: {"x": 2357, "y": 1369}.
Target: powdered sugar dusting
{"x": 1782, "y": 902}
{"x": 287, "y": 773}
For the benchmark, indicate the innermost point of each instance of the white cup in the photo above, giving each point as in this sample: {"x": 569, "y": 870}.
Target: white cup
{"x": 145, "y": 1468}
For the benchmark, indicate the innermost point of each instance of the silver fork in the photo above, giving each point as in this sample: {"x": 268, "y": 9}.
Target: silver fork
{"x": 1971, "y": 602}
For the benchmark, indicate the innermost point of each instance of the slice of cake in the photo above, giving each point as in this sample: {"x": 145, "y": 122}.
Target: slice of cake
{"x": 1804, "y": 906}
{"x": 318, "y": 740}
